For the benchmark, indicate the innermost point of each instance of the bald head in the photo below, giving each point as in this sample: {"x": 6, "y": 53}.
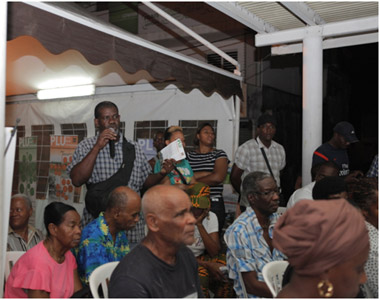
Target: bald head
{"x": 161, "y": 197}
{"x": 120, "y": 196}
{"x": 123, "y": 209}
{"x": 167, "y": 212}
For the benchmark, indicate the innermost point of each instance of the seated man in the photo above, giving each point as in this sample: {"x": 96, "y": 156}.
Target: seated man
{"x": 318, "y": 172}
{"x": 206, "y": 247}
{"x": 104, "y": 239}
{"x": 161, "y": 266}
{"x": 249, "y": 238}
{"x": 333, "y": 187}
{"x": 21, "y": 235}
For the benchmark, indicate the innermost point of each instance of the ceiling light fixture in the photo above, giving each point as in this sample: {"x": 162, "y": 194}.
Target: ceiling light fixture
{"x": 66, "y": 92}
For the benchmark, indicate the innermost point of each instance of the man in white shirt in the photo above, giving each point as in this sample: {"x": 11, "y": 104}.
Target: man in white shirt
{"x": 250, "y": 158}
{"x": 318, "y": 172}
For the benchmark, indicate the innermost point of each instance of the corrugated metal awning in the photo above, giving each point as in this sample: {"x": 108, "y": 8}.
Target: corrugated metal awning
{"x": 277, "y": 23}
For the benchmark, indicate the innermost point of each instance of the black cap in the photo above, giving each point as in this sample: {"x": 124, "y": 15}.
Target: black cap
{"x": 346, "y": 130}
{"x": 266, "y": 118}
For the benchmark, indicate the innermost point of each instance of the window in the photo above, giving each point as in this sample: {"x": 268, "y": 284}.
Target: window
{"x": 146, "y": 129}
{"x": 218, "y": 61}
{"x": 190, "y": 128}
{"x": 79, "y": 129}
{"x": 16, "y": 173}
{"x": 42, "y": 132}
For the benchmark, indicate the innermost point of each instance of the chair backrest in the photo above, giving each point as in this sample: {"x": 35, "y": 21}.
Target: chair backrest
{"x": 10, "y": 259}
{"x": 273, "y": 273}
{"x": 101, "y": 276}
{"x": 281, "y": 210}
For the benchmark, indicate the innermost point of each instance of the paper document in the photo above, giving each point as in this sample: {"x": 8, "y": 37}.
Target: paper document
{"x": 173, "y": 150}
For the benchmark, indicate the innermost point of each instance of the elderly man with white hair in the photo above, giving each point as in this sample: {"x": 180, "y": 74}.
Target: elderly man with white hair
{"x": 21, "y": 235}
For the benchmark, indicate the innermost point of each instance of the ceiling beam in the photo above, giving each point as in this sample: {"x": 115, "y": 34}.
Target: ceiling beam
{"x": 240, "y": 14}
{"x": 330, "y": 43}
{"x": 335, "y": 29}
{"x": 195, "y": 35}
{"x": 304, "y": 12}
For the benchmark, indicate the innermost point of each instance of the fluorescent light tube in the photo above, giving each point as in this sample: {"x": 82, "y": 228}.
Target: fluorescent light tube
{"x": 66, "y": 92}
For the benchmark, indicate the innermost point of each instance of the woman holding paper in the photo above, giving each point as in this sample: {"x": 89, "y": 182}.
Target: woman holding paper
{"x": 182, "y": 174}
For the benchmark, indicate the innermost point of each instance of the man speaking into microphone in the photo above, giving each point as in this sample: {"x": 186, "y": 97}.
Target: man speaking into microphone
{"x": 108, "y": 160}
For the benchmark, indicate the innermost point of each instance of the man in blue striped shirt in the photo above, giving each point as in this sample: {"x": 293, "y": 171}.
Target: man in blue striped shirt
{"x": 249, "y": 238}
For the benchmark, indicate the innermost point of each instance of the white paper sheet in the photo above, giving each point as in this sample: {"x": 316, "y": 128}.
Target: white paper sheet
{"x": 173, "y": 150}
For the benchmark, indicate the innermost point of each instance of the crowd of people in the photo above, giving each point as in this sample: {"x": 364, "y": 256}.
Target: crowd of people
{"x": 164, "y": 220}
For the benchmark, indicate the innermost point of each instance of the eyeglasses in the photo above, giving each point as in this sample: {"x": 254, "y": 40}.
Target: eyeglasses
{"x": 108, "y": 118}
{"x": 269, "y": 194}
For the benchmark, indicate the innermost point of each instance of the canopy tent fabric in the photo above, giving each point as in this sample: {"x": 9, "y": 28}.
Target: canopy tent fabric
{"x": 58, "y": 34}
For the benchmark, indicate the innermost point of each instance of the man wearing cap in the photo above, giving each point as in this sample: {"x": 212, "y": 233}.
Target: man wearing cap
{"x": 336, "y": 149}
{"x": 250, "y": 158}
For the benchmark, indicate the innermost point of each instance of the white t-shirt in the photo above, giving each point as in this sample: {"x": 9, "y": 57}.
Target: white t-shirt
{"x": 210, "y": 223}
{"x": 305, "y": 192}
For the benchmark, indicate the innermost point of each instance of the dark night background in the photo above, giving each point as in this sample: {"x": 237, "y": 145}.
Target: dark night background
{"x": 351, "y": 94}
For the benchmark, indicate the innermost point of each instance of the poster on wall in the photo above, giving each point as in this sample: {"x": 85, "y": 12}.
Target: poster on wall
{"x": 62, "y": 148}
{"x": 28, "y": 166}
{"x": 147, "y": 147}
{"x": 27, "y": 183}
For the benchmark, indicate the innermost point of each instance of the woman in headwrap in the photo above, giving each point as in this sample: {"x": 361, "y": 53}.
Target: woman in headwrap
{"x": 206, "y": 246}
{"x": 327, "y": 245}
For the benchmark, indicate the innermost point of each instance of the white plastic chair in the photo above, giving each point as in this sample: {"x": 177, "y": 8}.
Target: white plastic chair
{"x": 10, "y": 259}
{"x": 273, "y": 273}
{"x": 281, "y": 210}
{"x": 101, "y": 276}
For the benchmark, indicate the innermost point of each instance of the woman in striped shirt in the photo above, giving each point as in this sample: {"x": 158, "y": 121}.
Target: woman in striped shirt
{"x": 210, "y": 167}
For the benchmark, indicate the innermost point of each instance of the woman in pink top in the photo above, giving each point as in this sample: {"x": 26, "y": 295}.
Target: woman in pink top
{"x": 49, "y": 269}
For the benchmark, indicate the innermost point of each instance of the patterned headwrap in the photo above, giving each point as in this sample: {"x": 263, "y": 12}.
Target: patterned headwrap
{"x": 318, "y": 235}
{"x": 199, "y": 194}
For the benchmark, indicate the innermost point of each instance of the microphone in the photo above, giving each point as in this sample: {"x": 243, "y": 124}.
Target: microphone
{"x": 112, "y": 146}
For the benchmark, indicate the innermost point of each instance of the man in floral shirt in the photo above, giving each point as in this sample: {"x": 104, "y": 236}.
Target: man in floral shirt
{"x": 104, "y": 239}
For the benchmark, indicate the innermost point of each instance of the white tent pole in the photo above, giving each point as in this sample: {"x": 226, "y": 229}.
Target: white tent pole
{"x": 4, "y": 211}
{"x": 236, "y": 126}
{"x": 193, "y": 34}
{"x": 312, "y": 97}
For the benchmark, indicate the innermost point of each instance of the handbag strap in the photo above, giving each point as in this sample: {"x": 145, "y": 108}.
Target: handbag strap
{"x": 180, "y": 175}
{"x": 266, "y": 160}
{"x": 129, "y": 155}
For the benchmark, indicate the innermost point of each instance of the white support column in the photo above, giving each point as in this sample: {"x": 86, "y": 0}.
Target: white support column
{"x": 236, "y": 126}
{"x": 312, "y": 95}
{"x": 4, "y": 208}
